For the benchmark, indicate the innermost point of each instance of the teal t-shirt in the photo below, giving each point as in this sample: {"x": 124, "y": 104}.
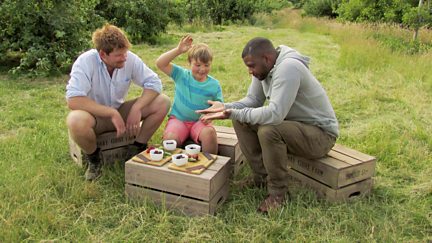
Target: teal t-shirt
{"x": 191, "y": 95}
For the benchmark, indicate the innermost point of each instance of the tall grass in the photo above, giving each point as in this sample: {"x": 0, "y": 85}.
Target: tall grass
{"x": 382, "y": 99}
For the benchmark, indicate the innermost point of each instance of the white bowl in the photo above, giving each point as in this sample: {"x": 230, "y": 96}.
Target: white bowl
{"x": 156, "y": 154}
{"x": 179, "y": 159}
{"x": 192, "y": 149}
{"x": 170, "y": 144}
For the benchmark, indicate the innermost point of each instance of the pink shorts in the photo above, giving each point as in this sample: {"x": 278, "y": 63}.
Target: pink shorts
{"x": 185, "y": 129}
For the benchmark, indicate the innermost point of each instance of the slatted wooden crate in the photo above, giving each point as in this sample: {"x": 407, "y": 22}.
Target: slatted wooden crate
{"x": 347, "y": 193}
{"x": 228, "y": 146}
{"x": 112, "y": 148}
{"x": 341, "y": 167}
{"x": 190, "y": 193}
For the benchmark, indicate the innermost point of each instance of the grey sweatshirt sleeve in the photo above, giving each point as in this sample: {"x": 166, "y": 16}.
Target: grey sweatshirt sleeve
{"x": 255, "y": 97}
{"x": 283, "y": 85}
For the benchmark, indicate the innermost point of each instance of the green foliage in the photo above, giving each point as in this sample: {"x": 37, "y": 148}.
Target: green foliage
{"x": 321, "y": 7}
{"x": 390, "y": 11}
{"x": 219, "y": 11}
{"x": 416, "y": 18}
{"x": 400, "y": 45}
{"x": 47, "y": 34}
{"x": 382, "y": 100}
{"x": 143, "y": 20}
{"x": 227, "y": 11}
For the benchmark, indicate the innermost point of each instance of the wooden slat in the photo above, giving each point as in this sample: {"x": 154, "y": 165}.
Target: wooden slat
{"x": 352, "y": 153}
{"x": 344, "y": 158}
{"x": 224, "y": 129}
{"x": 161, "y": 178}
{"x": 347, "y": 193}
{"x": 227, "y": 135}
{"x": 227, "y": 141}
{"x": 187, "y": 205}
{"x": 333, "y": 162}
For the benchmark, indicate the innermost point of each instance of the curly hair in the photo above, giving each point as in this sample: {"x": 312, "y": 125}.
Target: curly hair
{"x": 110, "y": 37}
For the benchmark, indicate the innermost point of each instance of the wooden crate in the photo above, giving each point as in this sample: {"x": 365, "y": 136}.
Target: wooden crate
{"x": 341, "y": 167}
{"x": 348, "y": 193}
{"x": 112, "y": 148}
{"x": 228, "y": 146}
{"x": 192, "y": 194}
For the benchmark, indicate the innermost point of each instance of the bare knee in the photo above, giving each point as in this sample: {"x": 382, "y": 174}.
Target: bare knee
{"x": 78, "y": 120}
{"x": 162, "y": 103}
{"x": 208, "y": 138}
{"x": 172, "y": 136}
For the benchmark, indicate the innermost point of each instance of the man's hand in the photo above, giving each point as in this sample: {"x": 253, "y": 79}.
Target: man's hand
{"x": 118, "y": 122}
{"x": 185, "y": 44}
{"x": 216, "y": 106}
{"x": 133, "y": 121}
{"x": 225, "y": 114}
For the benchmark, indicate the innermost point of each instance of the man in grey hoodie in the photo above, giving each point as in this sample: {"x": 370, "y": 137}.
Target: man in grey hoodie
{"x": 298, "y": 118}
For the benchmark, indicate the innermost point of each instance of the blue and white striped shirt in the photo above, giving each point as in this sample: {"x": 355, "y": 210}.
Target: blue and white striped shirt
{"x": 191, "y": 95}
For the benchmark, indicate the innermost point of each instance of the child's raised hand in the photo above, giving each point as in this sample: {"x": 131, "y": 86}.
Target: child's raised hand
{"x": 185, "y": 43}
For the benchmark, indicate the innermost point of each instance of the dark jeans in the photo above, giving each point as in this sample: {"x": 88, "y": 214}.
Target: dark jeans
{"x": 266, "y": 148}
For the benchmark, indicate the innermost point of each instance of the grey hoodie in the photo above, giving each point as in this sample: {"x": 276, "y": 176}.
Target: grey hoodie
{"x": 293, "y": 94}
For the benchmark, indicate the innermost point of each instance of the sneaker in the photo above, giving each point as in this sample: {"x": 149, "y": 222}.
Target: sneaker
{"x": 94, "y": 166}
{"x": 272, "y": 202}
{"x": 250, "y": 182}
{"x": 94, "y": 171}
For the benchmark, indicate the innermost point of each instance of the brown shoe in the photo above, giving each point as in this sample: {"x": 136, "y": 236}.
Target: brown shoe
{"x": 250, "y": 182}
{"x": 272, "y": 202}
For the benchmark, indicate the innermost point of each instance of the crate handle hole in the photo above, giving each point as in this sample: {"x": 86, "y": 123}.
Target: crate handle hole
{"x": 354, "y": 194}
{"x": 220, "y": 200}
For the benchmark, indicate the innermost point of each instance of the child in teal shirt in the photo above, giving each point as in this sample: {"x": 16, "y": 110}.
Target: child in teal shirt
{"x": 193, "y": 88}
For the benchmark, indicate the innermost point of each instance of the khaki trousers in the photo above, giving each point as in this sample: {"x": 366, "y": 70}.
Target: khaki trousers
{"x": 266, "y": 148}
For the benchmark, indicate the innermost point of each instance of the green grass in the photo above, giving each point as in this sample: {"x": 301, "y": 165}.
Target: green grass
{"x": 382, "y": 99}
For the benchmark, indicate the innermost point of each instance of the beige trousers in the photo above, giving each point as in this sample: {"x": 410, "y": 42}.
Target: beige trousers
{"x": 266, "y": 148}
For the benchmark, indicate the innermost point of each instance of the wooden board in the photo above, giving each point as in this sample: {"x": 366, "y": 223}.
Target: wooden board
{"x": 112, "y": 148}
{"x": 347, "y": 193}
{"x": 111, "y": 156}
{"x": 144, "y": 157}
{"x": 341, "y": 167}
{"x": 228, "y": 146}
{"x": 187, "y": 205}
{"x": 198, "y": 167}
{"x": 110, "y": 140}
{"x": 203, "y": 186}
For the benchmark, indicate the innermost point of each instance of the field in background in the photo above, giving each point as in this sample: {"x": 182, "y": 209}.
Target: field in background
{"x": 382, "y": 99}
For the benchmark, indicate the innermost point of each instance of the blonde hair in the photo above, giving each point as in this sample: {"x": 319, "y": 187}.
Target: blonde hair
{"x": 110, "y": 37}
{"x": 200, "y": 52}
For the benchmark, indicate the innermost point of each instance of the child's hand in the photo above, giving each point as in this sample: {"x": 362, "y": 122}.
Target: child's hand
{"x": 185, "y": 43}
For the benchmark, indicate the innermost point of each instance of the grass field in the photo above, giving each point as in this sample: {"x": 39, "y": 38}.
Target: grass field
{"x": 382, "y": 100}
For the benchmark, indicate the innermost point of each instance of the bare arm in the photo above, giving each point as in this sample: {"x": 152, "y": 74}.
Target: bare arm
{"x": 135, "y": 114}
{"x": 89, "y": 105}
{"x": 164, "y": 61}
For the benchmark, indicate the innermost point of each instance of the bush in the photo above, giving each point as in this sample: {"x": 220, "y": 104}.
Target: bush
{"x": 226, "y": 11}
{"x": 320, "y": 8}
{"x": 47, "y": 34}
{"x": 389, "y": 11}
{"x": 143, "y": 20}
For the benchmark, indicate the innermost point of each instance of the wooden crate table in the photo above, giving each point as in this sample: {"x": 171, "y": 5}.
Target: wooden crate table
{"x": 190, "y": 193}
{"x": 343, "y": 174}
{"x": 112, "y": 148}
{"x": 228, "y": 146}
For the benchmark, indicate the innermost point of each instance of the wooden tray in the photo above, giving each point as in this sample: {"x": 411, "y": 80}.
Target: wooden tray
{"x": 198, "y": 167}
{"x": 144, "y": 158}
